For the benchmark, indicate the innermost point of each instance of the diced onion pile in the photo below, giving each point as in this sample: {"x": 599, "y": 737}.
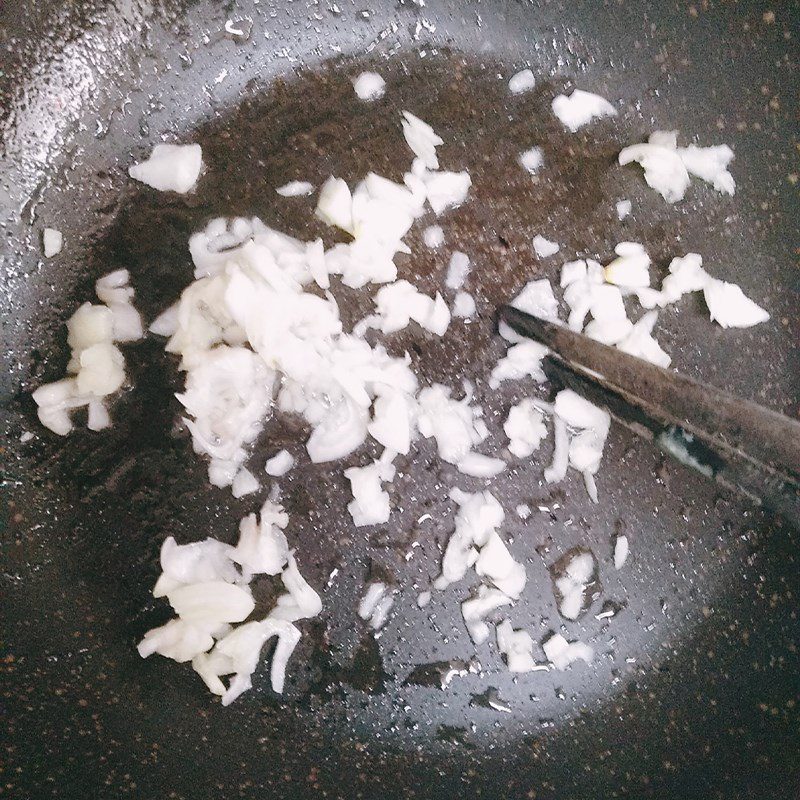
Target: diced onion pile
{"x": 259, "y": 331}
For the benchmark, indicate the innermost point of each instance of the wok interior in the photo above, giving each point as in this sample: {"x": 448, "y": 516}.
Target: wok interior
{"x": 88, "y": 514}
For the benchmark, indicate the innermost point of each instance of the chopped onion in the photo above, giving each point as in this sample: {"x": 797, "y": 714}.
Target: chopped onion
{"x": 580, "y": 108}
{"x": 446, "y": 189}
{"x": 301, "y": 600}
{"x": 279, "y": 464}
{"x": 544, "y": 247}
{"x": 370, "y": 504}
{"x": 244, "y": 483}
{"x": 572, "y": 584}
{"x": 664, "y": 170}
{"x": 295, "y": 189}
{"x": 621, "y": 549}
{"x": 481, "y": 605}
{"x": 520, "y": 361}
{"x": 536, "y": 298}
{"x": 478, "y": 516}
{"x": 52, "y": 242}
{"x": 369, "y": 86}
{"x": 210, "y": 603}
{"x": 525, "y": 428}
{"x": 496, "y": 563}
{"x": 262, "y": 546}
{"x": 422, "y": 140}
{"x": 463, "y": 305}
{"x": 522, "y": 81}
{"x": 400, "y": 302}
{"x": 640, "y": 342}
{"x": 710, "y": 164}
{"x": 523, "y": 511}
{"x": 630, "y": 268}
{"x": 729, "y": 306}
{"x": 335, "y": 204}
{"x": 340, "y": 431}
{"x": 170, "y": 168}
{"x": 433, "y": 236}
{"x": 516, "y": 646}
{"x": 532, "y": 159}
{"x": 557, "y": 470}
{"x": 562, "y": 653}
{"x": 480, "y": 466}
{"x": 177, "y": 639}
{"x": 376, "y": 604}
{"x": 423, "y": 598}
{"x": 457, "y": 271}
{"x": 451, "y": 422}
{"x": 667, "y": 167}
{"x": 623, "y": 208}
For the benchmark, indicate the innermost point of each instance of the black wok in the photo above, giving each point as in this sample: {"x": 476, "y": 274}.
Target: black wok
{"x": 694, "y": 692}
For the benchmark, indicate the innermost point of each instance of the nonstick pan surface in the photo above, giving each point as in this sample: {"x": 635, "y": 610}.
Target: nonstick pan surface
{"x": 694, "y": 689}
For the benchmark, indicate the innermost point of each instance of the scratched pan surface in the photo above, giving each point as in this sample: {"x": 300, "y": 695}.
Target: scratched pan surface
{"x": 694, "y": 689}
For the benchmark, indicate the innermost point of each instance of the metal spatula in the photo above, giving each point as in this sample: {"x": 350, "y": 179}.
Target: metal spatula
{"x": 743, "y": 446}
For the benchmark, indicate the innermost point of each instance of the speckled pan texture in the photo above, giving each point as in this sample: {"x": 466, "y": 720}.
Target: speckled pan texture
{"x": 695, "y": 687}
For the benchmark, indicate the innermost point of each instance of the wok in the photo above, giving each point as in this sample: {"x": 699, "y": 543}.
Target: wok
{"x": 694, "y": 690}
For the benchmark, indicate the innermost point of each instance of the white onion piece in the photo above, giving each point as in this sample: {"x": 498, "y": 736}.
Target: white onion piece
{"x": 52, "y": 242}
{"x": 525, "y": 428}
{"x": 580, "y": 108}
{"x": 478, "y": 516}
{"x": 572, "y": 585}
{"x": 573, "y": 271}
{"x": 370, "y": 504}
{"x": 228, "y": 392}
{"x": 621, "y": 550}
{"x": 730, "y": 307}
{"x": 664, "y": 170}
{"x": 101, "y": 371}
{"x": 209, "y": 603}
{"x": 262, "y": 547}
{"x": 433, "y": 236}
{"x": 451, "y": 422}
{"x": 170, "y": 168}
{"x": 98, "y": 416}
{"x": 295, "y": 189}
{"x": 339, "y": 432}
{"x": 522, "y": 81}
{"x": 422, "y": 140}
{"x": 375, "y": 605}
{"x": 301, "y": 602}
{"x": 423, "y": 599}
{"x": 583, "y": 278}
{"x": 446, "y": 189}
{"x": 623, "y": 208}
{"x": 532, "y": 159}
{"x": 710, "y": 164}
{"x": 464, "y": 305}
{"x": 400, "y": 302}
{"x": 480, "y": 466}
{"x": 369, "y": 86}
{"x": 523, "y": 511}
{"x": 686, "y": 275}
{"x": 631, "y": 267}
{"x": 279, "y": 464}
{"x": 516, "y": 646}
{"x": 335, "y": 204}
{"x": 562, "y": 653}
{"x": 177, "y": 639}
{"x": 536, "y": 298}
{"x": 244, "y": 483}
{"x": 198, "y": 562}
{"x": 457, "y": 270}
{"x": 166, "y": 323}
{"x": 640, "y": 342}
{"x": 544, "y": 247}
{"x": 610, "y": 323}
{"x": 496, "y": 563}
{"x": 520, "y": 361}
{"x": 557, "y": 470}
{"x": 393, "y": 420}
{"x": 478, "y": 607}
